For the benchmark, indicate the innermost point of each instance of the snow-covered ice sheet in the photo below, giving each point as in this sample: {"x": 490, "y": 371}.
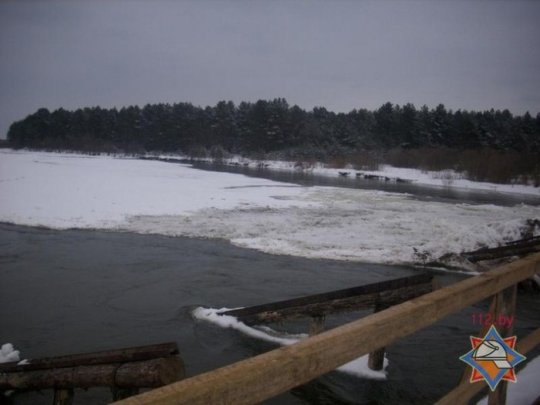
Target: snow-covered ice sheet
{"x": 358, "y": 367}
{"x": 67, "y": 190}
{"x": 348, "y": 224}
{"x": 72, "y": 191}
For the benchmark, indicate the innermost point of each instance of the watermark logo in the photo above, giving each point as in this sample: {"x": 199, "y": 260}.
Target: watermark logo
{"x": 493, "y": 358}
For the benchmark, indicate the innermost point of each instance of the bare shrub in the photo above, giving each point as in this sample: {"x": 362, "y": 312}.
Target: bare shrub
{"x": 197, "y": 151}
{"x": 430, "y": 159}
{"x": 337, "y": 162}
{"x": 489, "y": 165}
{"x": 217, "y": 153}
{"x": 305, "y": 164}
{"x": 447, "y": 176}
{"x": 498, "y": 166}
{"x": 365, "y": 160}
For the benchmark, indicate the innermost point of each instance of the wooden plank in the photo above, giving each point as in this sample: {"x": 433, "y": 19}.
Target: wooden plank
{"x": 148, "y": 373}
{"x": 465, "y": 391}
{"x": 269, "y": 374}
{"x": 348, "y": 299}
{"x": 138, "y": 353}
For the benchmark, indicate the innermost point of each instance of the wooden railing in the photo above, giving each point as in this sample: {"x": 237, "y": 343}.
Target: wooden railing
{"x": 383, "y": 293}
{"x": 269, "y": 374}
{"x": 377, "y": 296}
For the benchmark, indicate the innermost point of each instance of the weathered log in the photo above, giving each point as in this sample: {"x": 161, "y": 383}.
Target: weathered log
{"x": 529, "y": 239}
{"x": 516, "y": 248}
{"x": 148, "y": 373}
{"x": 138, "y": 353}
{"x": 502, "y": 253}
{"x": 318, "y": 305}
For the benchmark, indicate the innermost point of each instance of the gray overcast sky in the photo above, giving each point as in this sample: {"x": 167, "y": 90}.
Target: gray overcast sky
{"x": 341, "y": 55}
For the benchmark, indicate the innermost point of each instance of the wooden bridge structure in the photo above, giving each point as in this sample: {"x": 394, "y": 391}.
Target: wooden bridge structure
{"x": 269, "y": 374}
{"x": 124, "y": 371}
{"x": 376, "y": 296}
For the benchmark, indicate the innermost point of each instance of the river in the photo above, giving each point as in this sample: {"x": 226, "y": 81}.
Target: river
{"x": 422, "y": 192}
{"x": 72, "y": 291}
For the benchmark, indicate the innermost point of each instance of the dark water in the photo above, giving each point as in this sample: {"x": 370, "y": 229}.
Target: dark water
{"x": 73, "y": 291}
{"x": 418, "y": 191}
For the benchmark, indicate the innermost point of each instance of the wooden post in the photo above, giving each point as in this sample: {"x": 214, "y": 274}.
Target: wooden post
{"x": 505, "y": 304}
{"x": 465, "y": 391}
{"x": 376, "y": 357}
{"x": 496, "y": 308}
{"x": 122, "y": 393}
{"x": 63, "y": 397}
{"x": 316, "y": 326}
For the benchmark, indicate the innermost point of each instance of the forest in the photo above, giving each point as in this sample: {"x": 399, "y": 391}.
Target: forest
{"x": 394, "y": 134}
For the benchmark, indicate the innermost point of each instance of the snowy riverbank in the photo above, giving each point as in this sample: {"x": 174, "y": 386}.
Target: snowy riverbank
{"x": 64, "y": 191}
{"x": 445, "y": 178}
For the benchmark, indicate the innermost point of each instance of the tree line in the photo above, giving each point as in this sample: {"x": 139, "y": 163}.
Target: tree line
{"x": 274, "y": 126}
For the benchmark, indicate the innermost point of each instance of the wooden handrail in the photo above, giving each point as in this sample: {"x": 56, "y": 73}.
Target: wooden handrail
{"x": 269, "y": 374}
